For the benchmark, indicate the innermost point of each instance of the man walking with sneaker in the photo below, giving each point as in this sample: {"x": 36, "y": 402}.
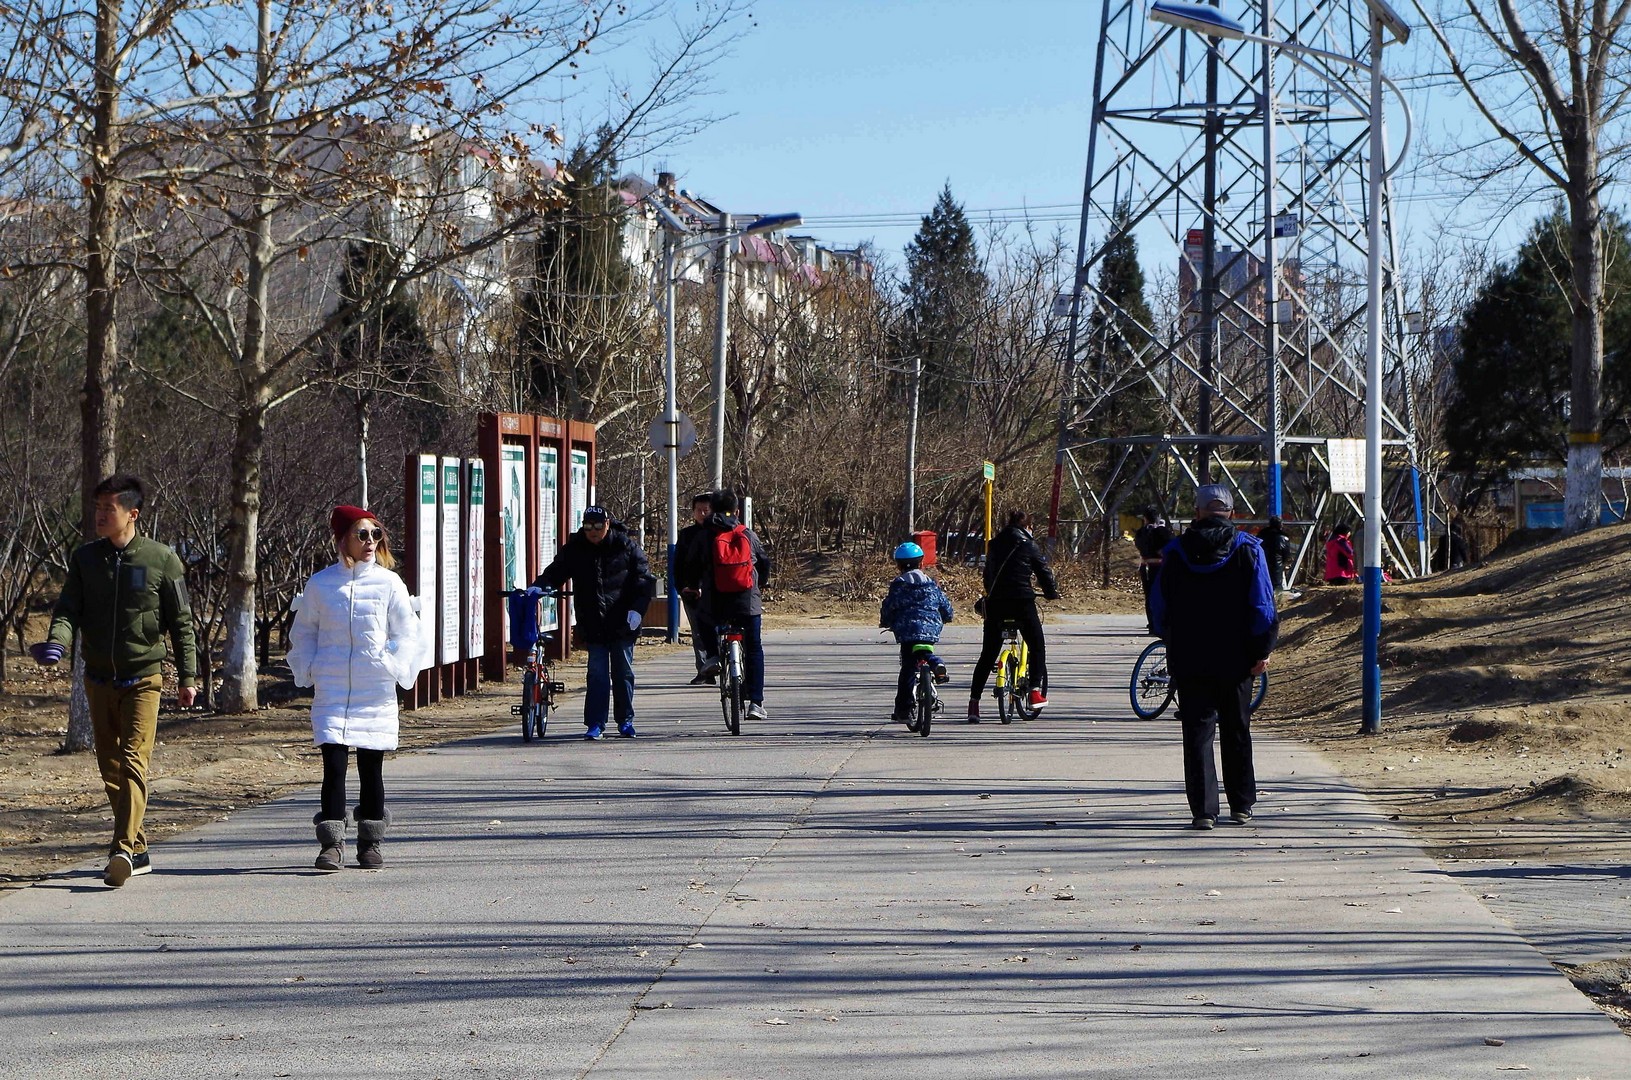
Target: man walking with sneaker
{"x": 1213, "y": 604}
{"x": 124, "y": 593}
{"x": 612, "y": 586}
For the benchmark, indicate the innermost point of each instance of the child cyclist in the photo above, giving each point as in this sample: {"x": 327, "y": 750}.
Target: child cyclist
{"x": 916, "y": 609}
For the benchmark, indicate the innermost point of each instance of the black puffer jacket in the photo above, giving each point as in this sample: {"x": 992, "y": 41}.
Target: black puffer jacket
{"x": 1010, "y": 564}
{"x": 609, "y": 580}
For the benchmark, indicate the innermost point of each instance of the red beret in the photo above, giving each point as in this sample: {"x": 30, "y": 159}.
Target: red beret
{"x": 341, "y": 518}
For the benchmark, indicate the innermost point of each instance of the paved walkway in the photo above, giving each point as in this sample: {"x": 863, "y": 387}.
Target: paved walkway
{"x": 822, "y": 895}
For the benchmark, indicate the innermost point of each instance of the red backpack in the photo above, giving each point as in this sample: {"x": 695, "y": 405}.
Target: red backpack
{"x": 733, "y": 561}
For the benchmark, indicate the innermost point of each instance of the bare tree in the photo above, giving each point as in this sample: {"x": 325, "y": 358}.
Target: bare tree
{"x": 1552, "y": 79}
{"x": 331, "y": 115}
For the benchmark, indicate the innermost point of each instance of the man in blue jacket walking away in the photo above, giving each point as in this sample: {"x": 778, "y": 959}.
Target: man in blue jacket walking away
{"x": 1214, "y": 606}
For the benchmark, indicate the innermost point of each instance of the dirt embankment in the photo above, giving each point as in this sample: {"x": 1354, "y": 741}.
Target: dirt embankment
{"x": 1506, "y": 699}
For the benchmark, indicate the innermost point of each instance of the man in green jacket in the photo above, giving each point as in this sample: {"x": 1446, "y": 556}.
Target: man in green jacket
{"x": 124, "y": 592}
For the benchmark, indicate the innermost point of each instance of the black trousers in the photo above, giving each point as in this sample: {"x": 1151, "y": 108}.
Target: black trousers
{"x": 1221, "y": 708}
{"x": 1023, "y": 614}
{"x": 704, "y": 643}
{"x": 1146, "y": 578}
{"x": 370, "y": 781}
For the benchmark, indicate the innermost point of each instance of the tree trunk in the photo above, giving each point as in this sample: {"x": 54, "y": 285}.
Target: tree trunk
{"x": 1583, "y": 488}
{"x": 239, "y": 674}
{"x": 363, "y": 403}
{"x": 239, "y": 684}
{"x": 80, "y": 736}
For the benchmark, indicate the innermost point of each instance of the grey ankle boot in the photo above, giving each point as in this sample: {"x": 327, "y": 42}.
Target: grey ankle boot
{"x": 331, "y": 836}
{"x": 369, "y": 834}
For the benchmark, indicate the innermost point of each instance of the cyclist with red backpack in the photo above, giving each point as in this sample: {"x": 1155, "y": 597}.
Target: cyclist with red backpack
{"x": 730, "y": 564}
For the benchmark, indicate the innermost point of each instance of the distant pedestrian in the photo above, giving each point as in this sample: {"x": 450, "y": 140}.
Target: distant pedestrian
{"x": 732, "y": 571}
{"x": 612, "y": 586}
{"x": 1151, "y": 539}
{"x": 355, "y": 639}
{"x": 123, "y": 596}
{"x": 1277, "y": 551}
{"x": 1340, "y": 566}
{"x": 1214, "y": 607}
{"x": 687, "y": 558}
{"x": 1458, "y": 543}
{"x": 1011, "y": 565}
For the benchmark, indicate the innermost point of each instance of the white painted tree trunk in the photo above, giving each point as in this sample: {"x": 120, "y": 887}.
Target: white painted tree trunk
{"x": 1583, "y": 488}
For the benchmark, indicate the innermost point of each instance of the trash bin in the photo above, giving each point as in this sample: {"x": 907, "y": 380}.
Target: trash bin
{"x": 925, "y": 540}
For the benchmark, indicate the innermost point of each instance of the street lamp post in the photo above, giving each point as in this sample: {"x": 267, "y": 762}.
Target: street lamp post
{"x": 721, "y": 344}
{"x": 674, "y": 230}
{"x": 1209, "y": 21}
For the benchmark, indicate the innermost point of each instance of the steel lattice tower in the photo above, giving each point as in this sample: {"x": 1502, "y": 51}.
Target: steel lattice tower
{"x": 1241, "y": 171}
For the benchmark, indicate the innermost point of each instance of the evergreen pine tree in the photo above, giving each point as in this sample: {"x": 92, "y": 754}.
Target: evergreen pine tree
{"x": 1512, "y": 372}
{"x": 944, "y": 289}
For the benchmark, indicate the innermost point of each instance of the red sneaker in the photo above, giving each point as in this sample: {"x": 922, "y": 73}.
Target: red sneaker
{"x": 1037, "y": 700}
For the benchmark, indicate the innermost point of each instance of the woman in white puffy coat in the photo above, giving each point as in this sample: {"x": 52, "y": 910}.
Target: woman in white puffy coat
{"x": 355, "y": 639}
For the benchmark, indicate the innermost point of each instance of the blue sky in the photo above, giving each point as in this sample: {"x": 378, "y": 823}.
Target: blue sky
{"x": 835, "y": 108}
{"x": 850, "y": 110}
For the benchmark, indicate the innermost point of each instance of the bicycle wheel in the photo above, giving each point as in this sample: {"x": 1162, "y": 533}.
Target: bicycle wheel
{"x": 926, "y": 701}
{"x": 1151, "y": 687}
{"x": 1260, "y": 690}
{"x": 1008, "y": 687}
{"x": 733, "y": 707}
{"x": 545, "y": 704}
{"x": 529, "y": 703}
{"x": 1022, "y": 696}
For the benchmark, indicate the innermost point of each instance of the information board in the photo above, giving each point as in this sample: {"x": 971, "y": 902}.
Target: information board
{"x": 424, "y": 562}
{"x": 475, "y": 562}
{"x": 449, "y": 572}
{"x": 549, "y": 501}
{"x": 512, "y": 518}
{"x": 580, "y": 487}
{"x": 1347, "y": 458}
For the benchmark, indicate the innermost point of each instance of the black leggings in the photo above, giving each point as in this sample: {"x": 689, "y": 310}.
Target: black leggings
{"x": 370, "y": 781}
{"x": 1023, "y": 614}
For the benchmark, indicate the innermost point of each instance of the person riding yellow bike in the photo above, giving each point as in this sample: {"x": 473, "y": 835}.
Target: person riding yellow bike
{"x": 1011, "y": 563}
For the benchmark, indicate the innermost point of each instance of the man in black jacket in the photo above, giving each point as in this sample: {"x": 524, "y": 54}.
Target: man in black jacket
{"x": 612, "y": 587}
{"x": 687, "y": 558}
{"x": 1011, "y": 562}
{"x": 1214, "y": 606}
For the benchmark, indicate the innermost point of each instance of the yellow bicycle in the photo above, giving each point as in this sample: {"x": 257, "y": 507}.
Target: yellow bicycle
{"x": 1013, "y": 677}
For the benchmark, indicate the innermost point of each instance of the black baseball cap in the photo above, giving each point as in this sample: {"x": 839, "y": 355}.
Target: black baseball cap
{"x": 595, "y": 513}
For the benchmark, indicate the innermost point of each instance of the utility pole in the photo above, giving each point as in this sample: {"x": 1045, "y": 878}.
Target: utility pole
{"x": 721, "y": 343}
{"x": 911, "y": 447}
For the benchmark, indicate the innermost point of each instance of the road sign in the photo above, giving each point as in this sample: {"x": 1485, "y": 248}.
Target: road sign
{"x": 988, "y": 470}
{"x": 687, "y": 435}
{"x": 1347, "y": 458}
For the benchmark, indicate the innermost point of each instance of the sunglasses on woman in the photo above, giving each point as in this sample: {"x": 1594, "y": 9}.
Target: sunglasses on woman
{"x": 367, "y": 535}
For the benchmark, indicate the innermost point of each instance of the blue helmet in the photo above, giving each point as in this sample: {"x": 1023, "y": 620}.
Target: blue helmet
{"x": 908, "y": 550}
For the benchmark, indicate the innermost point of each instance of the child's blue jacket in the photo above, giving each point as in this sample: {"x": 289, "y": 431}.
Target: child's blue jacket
{"x": 916, "y": 608}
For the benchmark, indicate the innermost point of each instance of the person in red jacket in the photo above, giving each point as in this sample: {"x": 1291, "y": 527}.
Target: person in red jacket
{"x": 1340, "y": 568}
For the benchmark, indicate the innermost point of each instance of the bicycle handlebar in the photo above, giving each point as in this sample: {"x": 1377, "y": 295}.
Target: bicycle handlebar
{"x": 548, "y": 594}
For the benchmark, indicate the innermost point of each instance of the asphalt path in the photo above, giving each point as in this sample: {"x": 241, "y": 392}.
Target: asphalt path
{"x": 823, "y": 894}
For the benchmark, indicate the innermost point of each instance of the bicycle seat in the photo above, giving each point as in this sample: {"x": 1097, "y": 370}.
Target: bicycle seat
{"x": 922, "y": 648}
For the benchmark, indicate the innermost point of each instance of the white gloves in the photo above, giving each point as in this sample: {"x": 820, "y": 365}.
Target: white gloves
{"x": 634, "y": 621}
